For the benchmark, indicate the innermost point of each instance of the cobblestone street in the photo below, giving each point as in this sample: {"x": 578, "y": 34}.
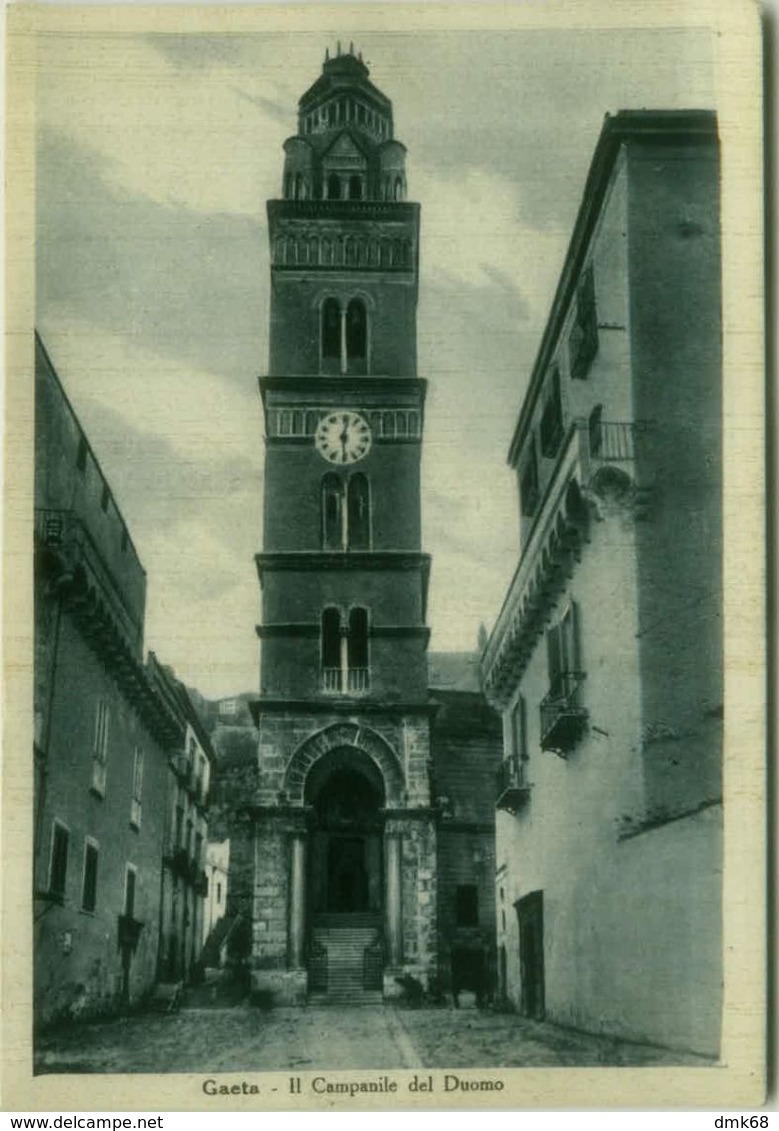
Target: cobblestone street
{"x": 246, "y": 1039}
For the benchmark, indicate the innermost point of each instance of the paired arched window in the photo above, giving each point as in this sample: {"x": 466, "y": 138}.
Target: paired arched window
{"x": 344, "y": 650}
{"x": 346, "y": 513}
{"x": 344, "y": 333}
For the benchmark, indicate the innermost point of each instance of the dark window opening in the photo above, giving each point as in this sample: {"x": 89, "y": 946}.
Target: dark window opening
{"x": 583, "y": 344}
{"x": 358, "y": 513}
{"x": 528, "y": 485}
{"x": 332, "y": 519}
{"x": 218, "y": 893}
{"x": 398, "y": 188}
{"x": 551, "y": 430}
{"x": 89, "y": 889}
{"x": 355, "y": 188}
{"x": 334, "y": 187}
{"x": 104, "y": 498}
{"x": 129, "y": 893}
{"x": 58, "y": 871}
{"x": 331, "y": 639}
{"x": 288, "y": 185}
{"x": 358, "y": 639}
{"x": 331, "y": 329}
{"x": 331, "y": 114}
{"x": 467, "y": 906}
{"x": 125, "y": 539}
{"x": 81, "y": 456}
{"x": 356, "y": 330}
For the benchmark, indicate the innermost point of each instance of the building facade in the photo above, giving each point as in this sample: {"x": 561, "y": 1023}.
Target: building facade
{"x": 606, "y": 658}
{"x": 184, "y": 886}
{"x": 217, "y": 873}
{"x": 345, "y": 829}
{"x": 101, "y": 735}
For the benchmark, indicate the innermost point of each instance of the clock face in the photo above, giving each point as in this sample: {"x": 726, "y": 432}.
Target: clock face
{"x": 343, "y": 437}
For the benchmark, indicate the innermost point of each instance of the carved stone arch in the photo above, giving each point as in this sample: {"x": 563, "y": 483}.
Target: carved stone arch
{"x": 361, "y": 738}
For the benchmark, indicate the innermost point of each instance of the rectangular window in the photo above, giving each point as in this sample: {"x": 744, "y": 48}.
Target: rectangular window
{"x": 467, "y": 905}
{"x": 518, "y": 729}
{"x": 100, "y": 748}
{"x": 528, "y": 483}
{"x": 89, "y": 883}
{"x": 129, "y": 891}
{"x": 58, "y": 864}
{"x": 135, "y": 804}
{"x": 583, "y": 342}
{"x": 551, "y": 429}
{"x": 562, "y": 648}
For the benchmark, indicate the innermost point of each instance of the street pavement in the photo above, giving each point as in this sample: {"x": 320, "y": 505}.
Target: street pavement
{"x": 243, "y": 1038}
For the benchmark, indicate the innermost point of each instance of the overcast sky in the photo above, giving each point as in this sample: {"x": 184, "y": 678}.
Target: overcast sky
{"x": 156, "y": 154}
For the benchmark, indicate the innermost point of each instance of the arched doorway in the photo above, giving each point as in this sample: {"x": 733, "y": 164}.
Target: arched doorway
{"x": 346, "y": 792}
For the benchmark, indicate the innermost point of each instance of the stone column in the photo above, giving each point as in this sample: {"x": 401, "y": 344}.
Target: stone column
{"x": 344, "y": 361}
{"x": 392, "y": 846}
{"x": 297, "y": 903}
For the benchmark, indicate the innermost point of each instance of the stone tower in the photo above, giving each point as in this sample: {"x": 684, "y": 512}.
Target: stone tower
{"x": 345, "y": 838}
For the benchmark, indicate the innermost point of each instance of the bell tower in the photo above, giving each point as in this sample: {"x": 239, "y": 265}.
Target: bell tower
{"x": 344, "y": 830}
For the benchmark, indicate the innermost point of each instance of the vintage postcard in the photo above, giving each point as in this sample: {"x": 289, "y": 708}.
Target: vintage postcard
{"x": 384, "y": 558}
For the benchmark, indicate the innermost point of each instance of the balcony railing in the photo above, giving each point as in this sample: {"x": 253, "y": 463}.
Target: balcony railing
{"x": 513, "y": 788}
{"x": 563, "y": 718}
{"x": 613, "y": 441}
{"x": 352, "y": 681}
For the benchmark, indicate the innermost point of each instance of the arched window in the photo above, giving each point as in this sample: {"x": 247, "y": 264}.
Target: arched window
{"x": 359, "y": 513}
{"x": 351, "y": 252}
{"x": 327, "y": 252}
{"x": 331, "y": 114}
{"x": 358, "y": 649}
{"x": 398, "y": 189}
{"x": 356, "y": 331}
{"x": 298, "y": 186}
{"x": 333, "y": 187}
{"x": 313, "y": 250}
{"x": 331, "y": 649}
{"x": 331, "y": 329}
{"x": 355, "y": 187}
{"x": 341, "y": 112}
{"x": 332, "y": 513}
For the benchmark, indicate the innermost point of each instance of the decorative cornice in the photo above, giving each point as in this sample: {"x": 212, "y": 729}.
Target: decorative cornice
{"x": 308, "y": 631}
{"x": 304, "y": 561}
{"x": 342, "y": 705}
{"x": 345, "y": 386}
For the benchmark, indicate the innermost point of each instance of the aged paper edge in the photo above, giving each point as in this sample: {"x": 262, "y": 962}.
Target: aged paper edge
{"x": 740, "y": 1080}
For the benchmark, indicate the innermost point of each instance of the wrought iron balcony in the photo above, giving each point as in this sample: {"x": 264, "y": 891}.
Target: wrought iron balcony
{"x": 513, "y": 786}
{"x": 563, "y": 718}
{"x": 352, "y": 681}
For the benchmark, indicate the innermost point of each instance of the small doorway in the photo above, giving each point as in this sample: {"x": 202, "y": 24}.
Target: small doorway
{"x": 530, "y": 915}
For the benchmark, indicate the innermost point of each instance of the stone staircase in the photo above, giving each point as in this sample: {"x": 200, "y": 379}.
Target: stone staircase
{"x": 345, "y": 939}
